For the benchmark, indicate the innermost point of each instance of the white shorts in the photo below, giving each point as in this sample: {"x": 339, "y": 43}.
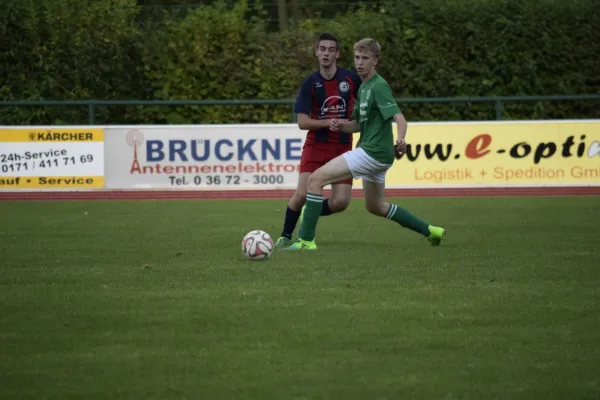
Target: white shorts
{"x": 363, "y": 166}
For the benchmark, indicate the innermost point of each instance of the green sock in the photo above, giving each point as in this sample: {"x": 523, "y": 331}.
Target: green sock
{"x": 314, "y": 205}
{"x": 407, "y": 220}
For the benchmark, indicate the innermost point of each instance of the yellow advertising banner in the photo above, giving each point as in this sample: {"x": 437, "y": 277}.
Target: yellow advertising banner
{"x": 565, "y": 153}
{"x": 51, "y": 182}
{"x": 52, "y": 135}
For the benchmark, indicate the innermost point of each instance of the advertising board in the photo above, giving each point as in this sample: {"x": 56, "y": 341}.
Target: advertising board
{"x": 46, "y": 158}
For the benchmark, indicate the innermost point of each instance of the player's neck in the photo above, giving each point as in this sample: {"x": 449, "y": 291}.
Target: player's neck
{"x": 368, "y": 76}
{"x": 328, "y": 72}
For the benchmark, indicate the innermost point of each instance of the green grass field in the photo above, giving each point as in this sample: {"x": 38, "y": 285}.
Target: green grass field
{"x": 154, "y": 300}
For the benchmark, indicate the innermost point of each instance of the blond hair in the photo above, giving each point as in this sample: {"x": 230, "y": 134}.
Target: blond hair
{"x": 368, "y": 45}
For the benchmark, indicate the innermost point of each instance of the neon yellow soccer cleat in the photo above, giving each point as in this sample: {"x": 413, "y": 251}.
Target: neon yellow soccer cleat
{"x": 303, "y": 245}
{"x": 282, "y": 243}
{"x": 436, "y": 236}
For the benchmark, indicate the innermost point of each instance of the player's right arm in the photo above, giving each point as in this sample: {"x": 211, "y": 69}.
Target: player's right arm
{"x": 348, "y": 126}
{"x": 305, "y": 122}
{"x": 303, "y": 108}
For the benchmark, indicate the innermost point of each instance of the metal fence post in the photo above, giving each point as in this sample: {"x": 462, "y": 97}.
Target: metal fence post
{"x": 294, "y": 117}
{"x": 91, "y": 113}
{"x": 499, "y": 108}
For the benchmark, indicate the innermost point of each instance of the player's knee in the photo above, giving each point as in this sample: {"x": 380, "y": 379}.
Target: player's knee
{"x": 300, "y": 193}
{"x": 376, "y": 208}
{"x": 315, "y": 182}
{"x": 339, "y": 204}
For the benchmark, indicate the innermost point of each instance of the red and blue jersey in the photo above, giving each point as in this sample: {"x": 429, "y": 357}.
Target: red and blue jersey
{"x": 320, "y": 98}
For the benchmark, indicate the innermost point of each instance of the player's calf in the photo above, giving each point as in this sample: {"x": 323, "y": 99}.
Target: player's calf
{"x": 434, "y": 234}
{"x": 341, "y": 193}
{"x": 298, "y": 199}
{"x": 407, "y": 220}
{"x": 292, "y": 213}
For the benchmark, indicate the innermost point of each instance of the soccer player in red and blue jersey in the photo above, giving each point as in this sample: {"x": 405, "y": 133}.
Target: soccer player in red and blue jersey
{"x": 326, "y": 94}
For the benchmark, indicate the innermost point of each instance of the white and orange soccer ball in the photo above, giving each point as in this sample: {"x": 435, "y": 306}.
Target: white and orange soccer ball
{"x": 257, "y": 245}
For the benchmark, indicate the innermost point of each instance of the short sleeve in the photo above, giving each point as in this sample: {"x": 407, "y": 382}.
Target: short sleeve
{"x": 385, "y": 101}
{"x": 304, "y": 100}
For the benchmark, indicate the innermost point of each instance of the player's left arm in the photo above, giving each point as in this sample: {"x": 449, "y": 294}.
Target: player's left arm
{"x": 402, "y": 127}
{"x": 389, "y": 109}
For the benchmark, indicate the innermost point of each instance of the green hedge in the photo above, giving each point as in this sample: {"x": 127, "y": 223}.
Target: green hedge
{"x": 84, "y": 49}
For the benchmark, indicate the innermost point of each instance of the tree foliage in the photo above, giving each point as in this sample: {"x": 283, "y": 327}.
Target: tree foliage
{"x": 117, "y": 49}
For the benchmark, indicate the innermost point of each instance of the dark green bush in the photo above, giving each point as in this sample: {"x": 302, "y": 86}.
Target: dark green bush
{"x": 84, "y": 49}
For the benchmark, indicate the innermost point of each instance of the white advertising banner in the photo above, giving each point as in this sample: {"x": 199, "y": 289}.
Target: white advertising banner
{"x": 203, "y": 157}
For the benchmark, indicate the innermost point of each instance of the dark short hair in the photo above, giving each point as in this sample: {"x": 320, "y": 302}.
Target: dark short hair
{"x": 328, "y": 36}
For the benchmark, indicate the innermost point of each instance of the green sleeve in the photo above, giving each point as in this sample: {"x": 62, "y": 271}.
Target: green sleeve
{"x": 385, "y": 101}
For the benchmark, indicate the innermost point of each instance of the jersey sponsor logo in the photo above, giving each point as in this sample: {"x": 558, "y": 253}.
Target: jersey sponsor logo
{"x": 363, "y": 107}
{"x": 344, "y": 86}
{"x": 334, "y": 106}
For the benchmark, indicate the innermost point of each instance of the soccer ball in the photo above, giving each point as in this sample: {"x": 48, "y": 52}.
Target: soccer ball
{"x": 257, "y": 245}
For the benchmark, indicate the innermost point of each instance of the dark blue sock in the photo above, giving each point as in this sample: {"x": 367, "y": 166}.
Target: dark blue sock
{"x": 326, "y": 210}
{"x": 291, "y": 219}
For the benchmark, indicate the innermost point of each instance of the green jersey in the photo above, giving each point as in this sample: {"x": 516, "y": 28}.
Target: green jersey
{"x": 374, "y": 110}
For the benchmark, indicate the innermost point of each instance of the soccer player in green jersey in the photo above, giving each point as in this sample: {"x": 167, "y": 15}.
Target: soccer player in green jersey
{"x": 372, "y": 117}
